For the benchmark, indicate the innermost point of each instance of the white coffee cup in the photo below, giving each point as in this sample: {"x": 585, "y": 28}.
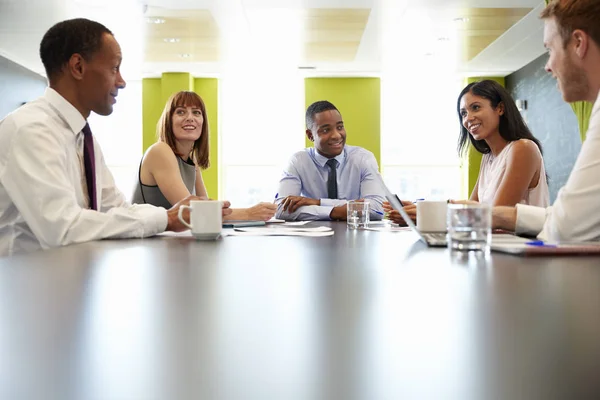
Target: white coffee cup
{"x": 206, "y": 217}
{"x": 431, "y": 216}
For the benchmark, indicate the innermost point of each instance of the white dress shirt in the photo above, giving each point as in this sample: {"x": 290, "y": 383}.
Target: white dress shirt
{"x": 306, "y": 175}
{"x": 43, "y": 197}
{"x": 575, "y": 215}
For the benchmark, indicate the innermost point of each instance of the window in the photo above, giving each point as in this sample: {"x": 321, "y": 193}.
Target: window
{"x": 261, "y": 106}
{"x": 120, "y": 137}
{"x": 419, "y": 122}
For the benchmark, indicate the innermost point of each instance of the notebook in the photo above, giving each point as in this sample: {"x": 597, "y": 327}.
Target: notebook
{"x": 527, "y": 247}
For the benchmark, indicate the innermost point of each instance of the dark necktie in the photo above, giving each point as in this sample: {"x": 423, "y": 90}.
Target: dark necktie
{"x": 332, "y": 179}
{"x": 89, "y": 163}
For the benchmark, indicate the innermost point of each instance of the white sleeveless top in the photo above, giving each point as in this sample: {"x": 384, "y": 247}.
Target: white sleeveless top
{"x": 492, "y": 171}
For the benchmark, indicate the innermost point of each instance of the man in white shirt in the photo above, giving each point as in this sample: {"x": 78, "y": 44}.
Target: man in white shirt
{"x": 55, "y": 188}
{"x": 572, "y": 37}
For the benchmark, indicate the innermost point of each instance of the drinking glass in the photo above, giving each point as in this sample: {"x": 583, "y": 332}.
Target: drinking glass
{"x": 469, "y": 227}
{"x": 358, "y": 214}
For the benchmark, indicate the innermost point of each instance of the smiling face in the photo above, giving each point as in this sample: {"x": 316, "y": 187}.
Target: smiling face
{"x": 187, "y": 123}
{"x": 102, "y": 78}
{"x": 479, "y": 118}
{"x": 328, "y": 133}
{"x": 563, "y": 64}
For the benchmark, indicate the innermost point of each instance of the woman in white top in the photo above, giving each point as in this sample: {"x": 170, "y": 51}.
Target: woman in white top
{"x": 512, "y": 168}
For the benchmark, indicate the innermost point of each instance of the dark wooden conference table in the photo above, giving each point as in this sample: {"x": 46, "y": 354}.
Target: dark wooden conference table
{"x": 359, "y": 315}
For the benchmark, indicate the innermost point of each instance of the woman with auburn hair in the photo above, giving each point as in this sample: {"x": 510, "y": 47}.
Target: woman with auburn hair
{"x": 172, "y": 168}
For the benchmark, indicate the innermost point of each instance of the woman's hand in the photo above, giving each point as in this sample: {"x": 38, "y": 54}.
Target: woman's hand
{"x": 463, "y": 202}
{"x": 262, "y": 211}
{"x": 395, "y": 217}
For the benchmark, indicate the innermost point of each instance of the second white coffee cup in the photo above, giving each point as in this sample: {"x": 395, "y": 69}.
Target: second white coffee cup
{"x": 431, "y": 216}
{"x": 206, "y": 218}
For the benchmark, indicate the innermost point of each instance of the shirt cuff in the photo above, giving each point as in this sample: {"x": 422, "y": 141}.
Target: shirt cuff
{"x": 157, "y": 221}
{"x": 530, "y": 220}
{"x": 332, "y": 202}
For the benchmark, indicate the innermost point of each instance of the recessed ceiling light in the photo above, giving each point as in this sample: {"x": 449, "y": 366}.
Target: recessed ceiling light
{"x": 155, "y": 20}
{"x": 443, "y": 39}
{"x": 461, "y": 19}
{"x": 428, "y": 54}
{"x": 171, "y": 40}
{"x": 185, "y": 55}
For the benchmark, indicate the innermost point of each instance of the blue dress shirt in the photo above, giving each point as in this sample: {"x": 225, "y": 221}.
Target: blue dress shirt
{"x": 306, "y": 175}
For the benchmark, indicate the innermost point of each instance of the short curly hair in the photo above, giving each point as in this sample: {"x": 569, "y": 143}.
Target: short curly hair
{"x": 74, "y": 36}
{"x": 316, "y": 108}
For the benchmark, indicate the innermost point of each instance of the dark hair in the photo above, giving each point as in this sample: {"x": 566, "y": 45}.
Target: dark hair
{"x": 512, "y": 126}
{"x": 315, "y": 108}
{"x": 73, "y": 36}
{"x": 164, "y": 128}
{"x": 575, "y": 14}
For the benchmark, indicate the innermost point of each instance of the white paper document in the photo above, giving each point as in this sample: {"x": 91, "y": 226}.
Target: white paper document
{"x": 282, "y": 230}
{"x": 278, "y": 232}
{"x": 284, "y": 222}
{"x": 273, "y": 230}
{"x": 387, "y": 228}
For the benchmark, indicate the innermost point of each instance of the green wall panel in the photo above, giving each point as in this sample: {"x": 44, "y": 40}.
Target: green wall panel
{"x": 359, "y": 102}
{"x": 208, "y": 89}
{"x": 152, "y": 106}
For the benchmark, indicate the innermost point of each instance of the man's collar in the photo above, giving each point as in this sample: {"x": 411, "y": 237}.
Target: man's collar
{"x": 322, "y": 160}
{"x": 67, "y": 111}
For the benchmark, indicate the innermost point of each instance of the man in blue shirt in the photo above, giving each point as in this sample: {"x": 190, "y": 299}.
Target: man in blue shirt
{"x": 319, "y": 180}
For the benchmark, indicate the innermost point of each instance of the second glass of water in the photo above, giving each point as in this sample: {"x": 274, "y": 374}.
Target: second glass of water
{"x": 469, "y": 227}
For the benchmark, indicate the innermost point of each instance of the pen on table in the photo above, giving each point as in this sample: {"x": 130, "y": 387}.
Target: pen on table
{"x": 539, "y": 243}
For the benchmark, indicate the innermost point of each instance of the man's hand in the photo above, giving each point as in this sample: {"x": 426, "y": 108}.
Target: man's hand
{"x": 175, "y": 225}
{"x": 339, "y": 213}
{"x": 292, "y": 203}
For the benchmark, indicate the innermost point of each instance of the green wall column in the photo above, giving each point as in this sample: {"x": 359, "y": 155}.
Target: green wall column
{"x": 583, "y": 112}
{"x": 152, "y": 106}
{"x": 470, "y": 166}
{"x": 359, "y": 102}
{"x": 208, "y": 89}
{"x": 173, "y": 82}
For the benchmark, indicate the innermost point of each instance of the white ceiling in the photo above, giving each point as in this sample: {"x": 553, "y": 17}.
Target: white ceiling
{"x": 406, "y": 30}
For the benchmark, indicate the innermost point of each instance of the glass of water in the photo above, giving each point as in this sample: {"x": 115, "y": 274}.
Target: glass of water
{"x": 358, "y": 214}
{"x": 469, "y": 227}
